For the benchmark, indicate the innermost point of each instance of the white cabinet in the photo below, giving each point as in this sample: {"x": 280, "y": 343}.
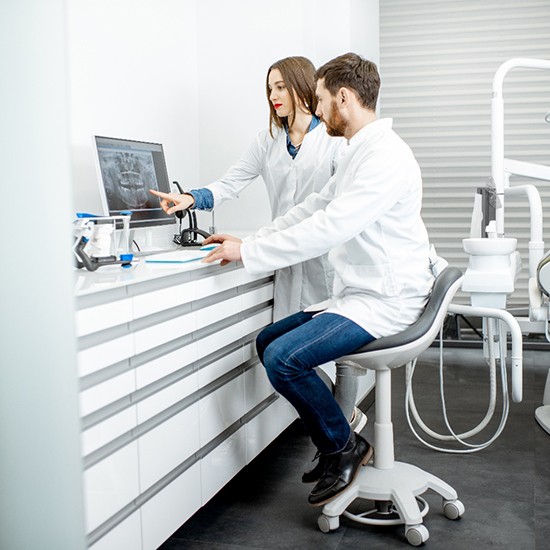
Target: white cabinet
{"x": 110, "y": 485}
{"x": 104, "y": 393}
{"x": 173, "y": 400}
{"x": 164, "y": 331}
{"x": 216, "y": 369}
{"x": 102, "y": 433}
{"x": 100, "y": 317}
{"x": 261, "y": 431}
{"x": 126, "y": 534}
{"x": 168, "y": 445}
{"x": 222, "y": 464}
{"x": 166, "y": 364}
{"x": 220, "y": 409}
{"x": 164, "y": 299}
{"x": 170, "y": 508}
{"x": 102, "y": 355}
{"x": 168, "y": 397}
{"x": 257, "y": 386}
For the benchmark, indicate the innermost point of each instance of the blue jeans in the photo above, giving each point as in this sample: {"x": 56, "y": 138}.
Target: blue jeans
{"x": 290, "y": 349}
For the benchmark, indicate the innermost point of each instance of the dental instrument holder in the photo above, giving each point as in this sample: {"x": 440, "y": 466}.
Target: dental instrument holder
{"x": 96, "y": 245}
{"x": 493, "y": 268}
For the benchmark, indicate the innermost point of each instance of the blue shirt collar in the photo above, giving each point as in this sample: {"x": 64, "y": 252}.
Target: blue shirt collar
{"x": 293, "y": 151}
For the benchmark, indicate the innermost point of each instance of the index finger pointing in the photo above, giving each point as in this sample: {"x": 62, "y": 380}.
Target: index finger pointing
{"x": 159, "y": 194}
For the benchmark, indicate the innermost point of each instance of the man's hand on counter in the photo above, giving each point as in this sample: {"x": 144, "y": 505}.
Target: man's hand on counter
{"x": 229, "y": 249}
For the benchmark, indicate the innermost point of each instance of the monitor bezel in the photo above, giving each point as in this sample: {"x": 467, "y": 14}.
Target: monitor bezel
{"x": 162, "y": 219}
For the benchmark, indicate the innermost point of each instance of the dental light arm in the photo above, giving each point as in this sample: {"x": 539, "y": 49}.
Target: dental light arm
{"x": 497, "y": 128}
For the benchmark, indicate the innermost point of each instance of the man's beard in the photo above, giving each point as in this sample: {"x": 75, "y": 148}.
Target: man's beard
{"x": 336, "y": 126}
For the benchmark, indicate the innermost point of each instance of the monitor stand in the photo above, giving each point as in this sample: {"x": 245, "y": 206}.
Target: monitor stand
{"x": 147, "y": 245}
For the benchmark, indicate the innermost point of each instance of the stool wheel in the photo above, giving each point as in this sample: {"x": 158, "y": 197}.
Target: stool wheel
{"x": 453, "y": 509}
{"x": 328, "y": 523}
{"x": 416, "y": 534}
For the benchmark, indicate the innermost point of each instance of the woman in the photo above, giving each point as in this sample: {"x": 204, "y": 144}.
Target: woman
{"x": 295, "y": 157}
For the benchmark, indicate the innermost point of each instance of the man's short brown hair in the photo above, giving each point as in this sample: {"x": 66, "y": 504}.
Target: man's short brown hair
{"x": 355, "y": 73}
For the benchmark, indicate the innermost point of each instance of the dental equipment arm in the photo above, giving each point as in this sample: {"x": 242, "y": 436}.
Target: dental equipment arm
{"x": 517, "y": 340}
{"x": 536, "y": 242}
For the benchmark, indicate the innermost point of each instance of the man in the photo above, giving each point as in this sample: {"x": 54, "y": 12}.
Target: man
{"x": 368, "y": 217}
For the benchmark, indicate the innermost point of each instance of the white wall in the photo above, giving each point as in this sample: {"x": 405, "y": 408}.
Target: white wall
{"x": 238, "y": 41}
{"x": 191, "y": 75}
{"x": 133, "y": 74}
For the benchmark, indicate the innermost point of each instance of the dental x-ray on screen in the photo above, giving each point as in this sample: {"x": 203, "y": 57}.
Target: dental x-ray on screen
{"x": 127, "y": 170}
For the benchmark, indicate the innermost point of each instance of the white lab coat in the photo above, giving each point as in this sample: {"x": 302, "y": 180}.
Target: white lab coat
{"x": 368, "y": 216}
{"x": 288, "y": 182}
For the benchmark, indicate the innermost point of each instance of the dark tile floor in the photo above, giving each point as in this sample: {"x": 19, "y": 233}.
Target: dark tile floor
{"x": 505, "y": 487}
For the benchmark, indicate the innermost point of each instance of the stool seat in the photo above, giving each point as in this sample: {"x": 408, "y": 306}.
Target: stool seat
{"x": 395, "y": 487}
{"x": 398, "y": 349}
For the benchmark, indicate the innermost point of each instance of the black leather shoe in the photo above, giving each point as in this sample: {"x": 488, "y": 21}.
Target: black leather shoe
{"x": 341, "y": 470}
{"x": 316, "y": 473}
{"x": 357, "y": 423}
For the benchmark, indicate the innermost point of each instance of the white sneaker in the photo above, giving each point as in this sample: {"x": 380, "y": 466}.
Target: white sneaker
{"x": 358, "y": 420}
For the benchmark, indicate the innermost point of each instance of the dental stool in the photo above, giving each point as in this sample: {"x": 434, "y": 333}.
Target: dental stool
{"x": 395, "y": 487}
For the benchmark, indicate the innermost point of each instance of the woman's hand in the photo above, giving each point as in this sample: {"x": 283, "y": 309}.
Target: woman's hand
{"x": 228, "y": 251}
{"x": 173, "y": 202}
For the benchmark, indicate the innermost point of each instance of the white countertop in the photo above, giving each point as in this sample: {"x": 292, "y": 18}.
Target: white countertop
{"x": 142, "y": 269}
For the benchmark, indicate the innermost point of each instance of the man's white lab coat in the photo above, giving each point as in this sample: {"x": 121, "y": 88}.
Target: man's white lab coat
{"x": 368, "y": 216}
{"x": 288, "y": 182}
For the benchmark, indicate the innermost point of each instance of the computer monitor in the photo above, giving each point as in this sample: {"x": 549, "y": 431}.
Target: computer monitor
{"x": 127, "y": 170}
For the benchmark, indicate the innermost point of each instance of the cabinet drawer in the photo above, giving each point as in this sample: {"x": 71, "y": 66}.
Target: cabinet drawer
{"x": 167, "y": 397}
{"x": 257, "y": 386}
{"x": 106, "y": 354}
{"x": 249, "y": 351}
{"x": 163, "y": 332}
{"x": 220, "y": 367}
{"x": 221, "y": 408}
{"x": 126, "y": 534}
{"x": 166, "y": 364}
{"x": 285, "y": 412}
{"x": 261, "y": 431}
{"x": 223, "y": 281}
{"x": 218, "y": 340}
{"x": 103, "y": 394}
{"x": 108, "y": 430}
{"x": 221, "y": 310}
{"x": 96, "y": 318}
{"x": 168, "y": 509}
{"x": 168, "y": 445}
{"x": 165, "y": 298}
{"x": 216, "y": 312}
{"x": 220, "y": 466}
{"x": 110, "y": 485}
{"x": 257, "y": 321}
{"x": 257, "y": 296}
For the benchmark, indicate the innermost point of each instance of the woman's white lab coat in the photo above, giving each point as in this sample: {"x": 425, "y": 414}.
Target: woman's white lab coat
{"x": 288, "y": 182}
{"x": 368, "y": 216}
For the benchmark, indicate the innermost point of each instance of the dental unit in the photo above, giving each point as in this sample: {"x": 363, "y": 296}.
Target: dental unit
{"x": 493, "y": 269}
